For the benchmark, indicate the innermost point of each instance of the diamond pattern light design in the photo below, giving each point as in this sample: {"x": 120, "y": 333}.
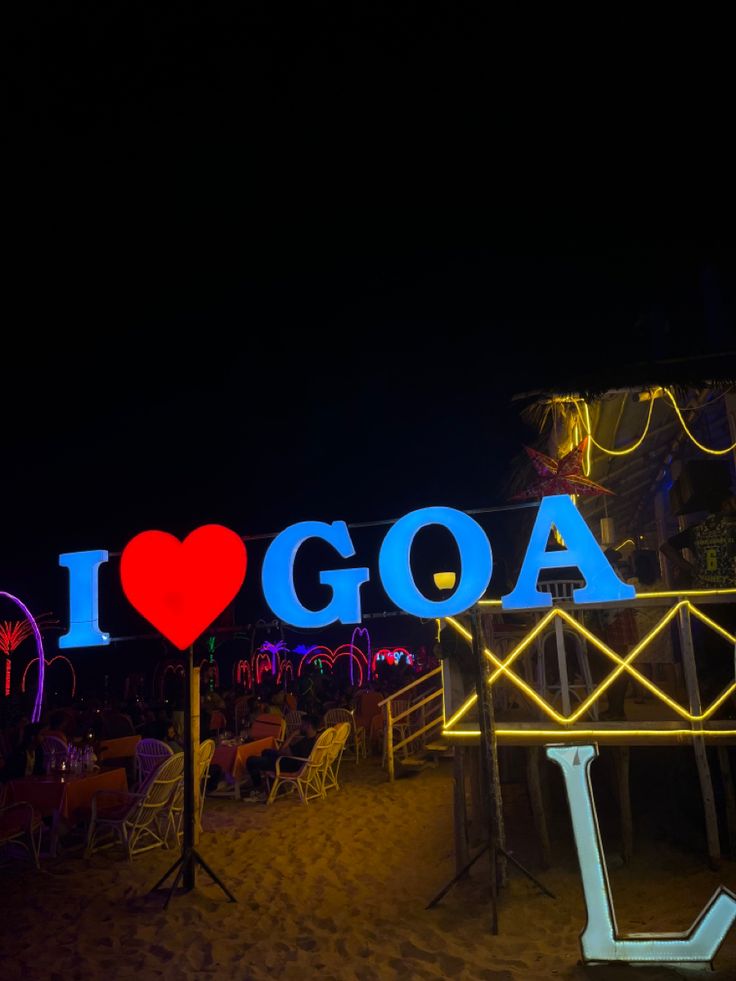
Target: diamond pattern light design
{"x": 503, "y": 668}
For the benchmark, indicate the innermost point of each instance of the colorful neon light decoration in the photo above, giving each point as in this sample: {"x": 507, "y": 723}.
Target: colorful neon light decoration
{"x": 12, "y": 635}
{"x": 37, "y": 705}
{"x": 262, "y": 664}
{"x": 243, "y": 674}
{"x": 361, "y": 633}
{"x": 600, "y": 941}
{"x": 276, "y": 651}
{"x": 57, "y": 657}
{"x": 320, "y": 653}
{"x": 286, "y": 668}
{"x": 392, "y": 656}
{"x": 181, "y": 587}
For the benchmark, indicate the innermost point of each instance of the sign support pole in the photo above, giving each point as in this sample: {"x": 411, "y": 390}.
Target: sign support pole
{"x": 190, "y": 857}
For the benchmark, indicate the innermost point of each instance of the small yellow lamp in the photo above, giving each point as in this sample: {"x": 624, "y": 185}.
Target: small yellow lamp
{"x": 445, "y": 580}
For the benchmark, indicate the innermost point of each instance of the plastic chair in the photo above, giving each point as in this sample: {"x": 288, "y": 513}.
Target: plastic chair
{"x": 308, "y": 780}
{"x": 140, "y": 821}
{"x": 357, "y": 733}
{"x": 334, "y": 755}
{"x": 149, "y": 754}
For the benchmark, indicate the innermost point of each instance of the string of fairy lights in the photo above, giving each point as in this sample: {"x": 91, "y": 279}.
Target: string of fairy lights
{"x": 583, "y": 426}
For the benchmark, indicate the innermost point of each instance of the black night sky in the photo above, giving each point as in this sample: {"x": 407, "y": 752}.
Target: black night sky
{"x": 257, "y": 271}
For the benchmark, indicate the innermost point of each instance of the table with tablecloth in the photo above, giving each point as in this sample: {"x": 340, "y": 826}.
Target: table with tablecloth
{"x": 233, "y": 758}
{"x": 67, "y": 796}
{"x": 118, "y": 749}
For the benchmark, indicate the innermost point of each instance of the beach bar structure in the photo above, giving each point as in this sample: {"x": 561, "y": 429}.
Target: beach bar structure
{"x": 666, "y": 451}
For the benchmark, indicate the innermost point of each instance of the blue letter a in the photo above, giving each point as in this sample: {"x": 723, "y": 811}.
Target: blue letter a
{"x": 602, "y": 585}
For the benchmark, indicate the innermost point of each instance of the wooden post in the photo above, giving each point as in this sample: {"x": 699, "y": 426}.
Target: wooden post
{"x": 485, "y": 718}
{"x": 536, "y": 800}
{"x": 460, "y": 809}
{"x": 562, "y": 666}
{"x": 390, "y": 741}
{"x": 194, "y": 710}
{"x": 621, "y": 760}
{"x": 190, "y": 755}
{"x": 479, "y": 818}
{"x": 497, "y": 797}
{"x": 728, "y": 792}
{"x": 660, "y": 517}
{"x": 701, "y": 757}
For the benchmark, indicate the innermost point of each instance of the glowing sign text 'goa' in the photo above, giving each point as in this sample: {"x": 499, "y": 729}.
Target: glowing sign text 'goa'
{"x": 394, "y": 564}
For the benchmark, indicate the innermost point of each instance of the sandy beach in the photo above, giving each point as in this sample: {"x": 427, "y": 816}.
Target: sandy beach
{"x": 337, "y": 890}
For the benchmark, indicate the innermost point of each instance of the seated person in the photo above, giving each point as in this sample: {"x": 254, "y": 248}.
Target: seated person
{"x": 115, "y": 724}
{"x": 172, "y": 738}
{"x": 299, "y": 744}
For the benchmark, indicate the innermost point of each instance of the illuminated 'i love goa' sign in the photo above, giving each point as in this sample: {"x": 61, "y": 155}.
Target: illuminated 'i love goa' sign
{"x": 181, "y": 587}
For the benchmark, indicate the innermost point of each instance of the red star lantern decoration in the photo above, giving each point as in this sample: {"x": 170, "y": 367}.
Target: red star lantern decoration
{"x": 564, "y": 476}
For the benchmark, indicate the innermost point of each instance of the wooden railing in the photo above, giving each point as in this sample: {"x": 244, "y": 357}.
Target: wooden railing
{"x": 430, "y": 719}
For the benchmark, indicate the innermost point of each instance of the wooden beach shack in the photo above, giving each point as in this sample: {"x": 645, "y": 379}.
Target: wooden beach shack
{"x": 628, "y": 674}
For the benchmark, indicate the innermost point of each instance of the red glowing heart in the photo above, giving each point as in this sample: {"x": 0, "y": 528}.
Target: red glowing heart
{"x": 181, "y": 587}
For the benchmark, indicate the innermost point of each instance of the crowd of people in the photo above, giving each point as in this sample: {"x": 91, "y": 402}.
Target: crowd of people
{"x": 92, "y": 720}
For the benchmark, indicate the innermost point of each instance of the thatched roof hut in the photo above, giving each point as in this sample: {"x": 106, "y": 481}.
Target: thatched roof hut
{"x": 655, "y": 431}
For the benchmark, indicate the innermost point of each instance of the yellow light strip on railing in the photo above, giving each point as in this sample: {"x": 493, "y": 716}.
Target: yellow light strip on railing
{"x": 671, "y": 593}
{"x": 465, "y": 707}
{"x": 712, "y": 624}
{"x": 623, "y": 664}
{"x": 684, "y": 425}
{"x": 501, "y": 667}
{"x": 607, "y": 682}
{"x": 598, "y": 734}
{"x": 656, "y": 594}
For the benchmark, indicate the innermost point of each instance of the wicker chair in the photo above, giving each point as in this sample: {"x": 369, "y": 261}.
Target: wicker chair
{"x": 149, "y": 754}
{"x": 20, "y": 824}
{"x": 293, "y": 722}
{"x": 140, "y": 821}
{"x": 333, "y": 757}
{"x": 357, "y": 742}
{"x": 205, "y": 753}
{"x": 308, "y": 780}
